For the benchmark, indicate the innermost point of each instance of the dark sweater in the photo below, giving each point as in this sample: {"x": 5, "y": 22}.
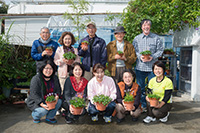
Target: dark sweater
{"x": 37, "y": 94}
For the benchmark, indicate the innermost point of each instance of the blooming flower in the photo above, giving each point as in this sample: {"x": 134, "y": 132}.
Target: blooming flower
{"x": 197, "y": 28}
{"x": 176, "y": 6}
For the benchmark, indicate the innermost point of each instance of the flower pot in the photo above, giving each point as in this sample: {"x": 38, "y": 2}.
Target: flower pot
{"x": 167, "y": 72}
{"x": 153, "y": 102}
{"x": 48, "y": 50}
{"x": 83, "y": 44}
{"x": 51, "y": 105}
{"x": 100, "y": 106}
{"x": 146, "y": 57}
{"x": 70, "y": 61}
{"x": 77, "y": 110}
{"x": 121, "y": 54}
{"x": 129, "y": 105}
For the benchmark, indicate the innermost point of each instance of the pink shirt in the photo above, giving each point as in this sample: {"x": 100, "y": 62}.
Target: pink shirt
{"x": 106, "y": 87}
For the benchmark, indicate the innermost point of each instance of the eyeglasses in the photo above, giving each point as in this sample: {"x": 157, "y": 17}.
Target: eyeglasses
{"x": 45, "y": 32}
{"x": 47, "y": 68}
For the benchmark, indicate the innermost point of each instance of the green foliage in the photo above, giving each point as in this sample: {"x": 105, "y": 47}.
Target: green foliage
{"x": 49, "y": 48}
{"x": 170, "y": 50}
{"x": 107, "y": 73}
{"x": 2, "y": 97}
{"x": 102, "y": 99}
{"x": 153, "y": 96}
{"x": 3, "y": 8}
{"x": 147, "y": 52}
{"x": 165, "y": 15}
{"x": 69, "y": 55}
{"x": 129, "y": 97}
{"x": 23, "y": 83}
{"x": 77, "y": 102}
{"x": 78, "y": 7}
{"x": 119, "y": 52}
{"x": 86, "y": 42}
{"x": 50, "y": 98}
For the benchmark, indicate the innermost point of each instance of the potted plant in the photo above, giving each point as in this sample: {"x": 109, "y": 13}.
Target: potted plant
{"x": 153, "y": 99}
{"x": 84, "y": 43}
{"x": 48, "y": 49}
{"x": 50, "y": 101}
{"x": 101, "y": 101}
{"x": 128, "y": 101}
{"x": 120, "y": 53}
{"x": 167, "y": 69}
{"x": 146, "y": 54}
{"x": 168, "y": 51}
{"x": 23, "y": 84}
{"x": 77, "y": 104}
{"x": 69, "y": 56}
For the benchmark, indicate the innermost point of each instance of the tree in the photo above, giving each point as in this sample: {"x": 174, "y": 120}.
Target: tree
{"x": 3, "y": 7}
{"x": 165, "y": 15}
{"x": 78, "y": 7}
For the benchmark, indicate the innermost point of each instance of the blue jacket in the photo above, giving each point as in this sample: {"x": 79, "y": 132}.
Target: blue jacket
{"x": 99, "y": 52}
{"x": 38, "y": 48}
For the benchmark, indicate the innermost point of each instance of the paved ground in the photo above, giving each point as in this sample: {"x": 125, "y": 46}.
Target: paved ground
{"x": 184, "y": 118}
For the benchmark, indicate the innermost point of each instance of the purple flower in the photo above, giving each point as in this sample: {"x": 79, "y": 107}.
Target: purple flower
{"x": 176, "y": 6}
{"x": 197, "y": 28}
{"x": 161, "y": 10}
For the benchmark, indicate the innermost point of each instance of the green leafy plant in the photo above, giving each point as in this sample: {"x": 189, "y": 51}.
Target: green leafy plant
{"x": 147, "y": 52}
{"x": 107, "y": 73}
{"x": 153, "y": 96}
{"x": 119, "y": 52}
{"x": 50, "y": 97}
{"x": 23, "y": 83}
{"x": 69, "y": 56}
{"x": 85, "y": 42}
{"x": 77, "y": 102}
{"x": 102, "y": 99}
{"x": 129, "y": 97}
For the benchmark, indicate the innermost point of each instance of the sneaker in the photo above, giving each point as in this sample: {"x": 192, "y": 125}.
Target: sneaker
{"x": 119, "y": 120}
{"x": 107, "y": 119}
{"x": 149, "y": 119}
{"x": 68, "y": 120}
{"x": 95, "y": 118}
{"x": 52, "y": 121}
{"x": 58, "y": 112}
{"x": 165, "y": 118}
{"x": 36, "y": 120}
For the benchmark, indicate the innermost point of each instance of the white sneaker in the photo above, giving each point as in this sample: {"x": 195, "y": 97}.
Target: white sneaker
{"x": 165, "y": 118}
{"x": 95, "y": 118}
{"x": 107, "y": 119}
{"x": 58, "y": 112}
{"x": 149, "y": 119}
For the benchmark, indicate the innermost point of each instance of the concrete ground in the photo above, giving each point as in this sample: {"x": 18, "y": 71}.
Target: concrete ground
{"x": 184, "y": 118}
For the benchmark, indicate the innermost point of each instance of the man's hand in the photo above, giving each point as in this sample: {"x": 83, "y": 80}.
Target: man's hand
{"x": 84, "y": 48}
{"x": 146, "y": 60}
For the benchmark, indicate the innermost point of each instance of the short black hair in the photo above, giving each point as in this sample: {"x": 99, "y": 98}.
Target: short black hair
{"x": 145, "y": 20}
{"x": 159, "y": 64}
{"x": 50, "y": 62}
{"x": 131, "y": 72}
{"x": 73, "y": 66}
{"x": 97, "y": 66}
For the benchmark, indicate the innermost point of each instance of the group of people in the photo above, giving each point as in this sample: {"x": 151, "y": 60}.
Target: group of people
{"x": 67, "y": 79}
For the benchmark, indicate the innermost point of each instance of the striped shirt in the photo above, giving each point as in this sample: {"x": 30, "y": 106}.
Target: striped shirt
{"x": 150, "y": 42}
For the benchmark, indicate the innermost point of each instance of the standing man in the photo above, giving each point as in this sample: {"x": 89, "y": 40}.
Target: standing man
{"x": 142, "y": 42}
{"x": 38, "y": 52}
{"x": 116, "y": 63}
{"x": 94, "y": 53}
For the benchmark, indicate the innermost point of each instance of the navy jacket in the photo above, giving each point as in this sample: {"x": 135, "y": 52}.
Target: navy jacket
{"x": 99, "y": 52}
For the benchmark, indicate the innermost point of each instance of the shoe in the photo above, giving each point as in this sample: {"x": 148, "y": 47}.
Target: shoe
{"x": 119, "y": 120}
{"x": 134, "y": 119}
{"x": 149, "y": 119}
{"x": 68, "y": 120}
{"x": 107, "y": 119}
{"x": 52, "y": 121}
{"x": 165, "y": 118}
{"x": 95, "y": 118}
{"x": 58, "y": 112}
{"x": 144, "y": 109}
{"x": 36, "y": 120}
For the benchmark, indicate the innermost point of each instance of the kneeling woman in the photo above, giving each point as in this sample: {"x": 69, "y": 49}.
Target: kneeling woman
{"x": 75, "y": 86}
{"x": 43, "y": 84}
{"x": 101, "y": 84}
{"x": 161, "y": 86}
{"x": 128, "y": 86}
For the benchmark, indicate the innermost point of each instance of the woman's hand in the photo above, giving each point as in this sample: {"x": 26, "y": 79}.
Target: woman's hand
{"x": 44, "y": 106}
{"x": 147, "y": 99}
{"x": 72, "y": 110}
{"x": 56, "y": 97}
{"x": 133, "y": 107}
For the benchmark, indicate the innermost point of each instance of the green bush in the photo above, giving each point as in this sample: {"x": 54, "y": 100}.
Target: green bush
{"x": 102, "y": 99}
{"x": 77, "y": 102}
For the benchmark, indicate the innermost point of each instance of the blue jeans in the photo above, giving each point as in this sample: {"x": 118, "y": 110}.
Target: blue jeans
{"x": 140, "y": 78}
{"x": 50, "y": 114}
{"x": 108, "y": 112}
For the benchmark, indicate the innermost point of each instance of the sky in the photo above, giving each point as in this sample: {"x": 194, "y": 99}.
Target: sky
{"x": 7, "y": 1}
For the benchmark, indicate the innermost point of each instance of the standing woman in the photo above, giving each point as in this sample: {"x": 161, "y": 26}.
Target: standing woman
{"x": 75, "y": 85}
{"x": 161, "y": 86}
{"x": 42, "y": 84}
{"x": 101, "y": 84}
{"x": 66, "y": 40}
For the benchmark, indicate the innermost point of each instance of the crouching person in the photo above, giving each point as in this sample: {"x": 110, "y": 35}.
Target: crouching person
{"x": 101, "y": 87}
{"x": 44, "y": 87}
{"x": 75, "y": 90}
{"x": 130, "y": 91}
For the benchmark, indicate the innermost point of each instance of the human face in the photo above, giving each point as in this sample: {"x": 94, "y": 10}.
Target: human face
{"x": 91, "y": 30}
{"x": 146, "y": 27}
{"x": 120, "y": 36}
{"x": 45, "y": 34}
{"x": 99, "y": 74}
{"x": 48, "y": 70}
{"x": 77, "y": 71}
{"x": 128, "y": 78}
{"x": 158, "y": 71}
{"x": 67, "y": 40}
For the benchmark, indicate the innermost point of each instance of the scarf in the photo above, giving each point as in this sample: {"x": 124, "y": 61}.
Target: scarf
{"x": 45, "y": 88}
{"x": 68, "y": 49}
{"x": 78, "y": 87}
{"x": 44, "y": 42}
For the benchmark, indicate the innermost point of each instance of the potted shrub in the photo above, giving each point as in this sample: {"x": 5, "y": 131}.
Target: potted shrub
{"x": 120, "y": 53}
{"x": 101, "y": 101}
{"x": 69, "y": 56}
{"x": 48, "y": 49}
{"x": 77, "y": 104}
{"x": 153, "y": 99}
{"x": 51, "y": 101}
{"x": 146, "y": 54}
{"x": 168, "y": 51}
{"x": 84, "y": 43}
{"x": 129, "y": 101}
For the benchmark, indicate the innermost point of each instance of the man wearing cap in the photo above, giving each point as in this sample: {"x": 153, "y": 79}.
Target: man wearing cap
{"x": 118, "y": 63}
{"x": 93, "y": 53}
{"x": 142, "y": 42}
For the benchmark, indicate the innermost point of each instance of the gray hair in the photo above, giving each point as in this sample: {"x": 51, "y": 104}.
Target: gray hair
{"x": 44, "y": 28}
